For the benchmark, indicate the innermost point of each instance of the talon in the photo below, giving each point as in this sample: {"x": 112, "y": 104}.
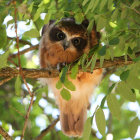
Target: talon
{"x": 64, "y": 63}
{"x": 58, "y": 67}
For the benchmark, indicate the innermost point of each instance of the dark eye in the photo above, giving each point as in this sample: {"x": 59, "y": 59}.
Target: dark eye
{"x": 60, "y": 35}
{"x": 76, "y": 41}
{"x": 79, "y": 43}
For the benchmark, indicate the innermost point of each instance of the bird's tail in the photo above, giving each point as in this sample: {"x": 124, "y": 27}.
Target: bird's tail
{"x": 72, "y": 122}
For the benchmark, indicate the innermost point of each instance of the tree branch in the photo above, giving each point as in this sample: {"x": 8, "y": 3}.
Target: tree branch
{"x": 45, "y": 73}
{"x": 5, "y": 134}
{"x": 45, "y": 131}
{"x": 24, "y": 51}
{"x": 24, "y": 42}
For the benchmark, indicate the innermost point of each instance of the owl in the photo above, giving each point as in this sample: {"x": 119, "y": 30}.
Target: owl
{"x": 64, "y": 42}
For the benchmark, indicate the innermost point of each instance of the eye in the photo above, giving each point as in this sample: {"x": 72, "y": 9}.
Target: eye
{"x": 60, "y": 35}
{"x": 76, "y": 41}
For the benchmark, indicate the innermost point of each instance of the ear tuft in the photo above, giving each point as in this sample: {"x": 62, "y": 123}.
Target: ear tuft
{"x": 44, "y": 29}
{"x": 85, "y": 23}
{"x": 51, "y": 22}
{"x": 46, "y": 26}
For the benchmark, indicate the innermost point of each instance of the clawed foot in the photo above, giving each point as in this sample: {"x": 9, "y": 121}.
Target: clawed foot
{"x": 60, "y": 66}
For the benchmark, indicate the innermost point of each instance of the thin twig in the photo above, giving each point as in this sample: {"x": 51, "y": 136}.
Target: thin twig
{"x": 24, "y": 51}
{"x": 45, "y": 131}
{"x": 9, "y": 59}
{"x": 27, "y": 117}
{"x": 17, "y": 41}
{"x": 17, "y": 111}
{"x": 6, "y": 80}
{"x": 5, "y": 134}
{"x": 24, "y": 42}
{"x": 132, "y": 9}
{"x": 17, "y": 38}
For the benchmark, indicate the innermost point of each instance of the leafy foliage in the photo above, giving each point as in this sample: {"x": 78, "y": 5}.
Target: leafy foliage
{"x": 100, "y": 121}
{"x": 118, "y": 23}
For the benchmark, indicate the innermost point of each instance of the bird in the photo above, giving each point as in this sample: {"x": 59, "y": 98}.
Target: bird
{"x": 63, "y": 42}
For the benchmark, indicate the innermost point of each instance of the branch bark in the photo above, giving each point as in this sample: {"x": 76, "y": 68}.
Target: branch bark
{"x": 45, "y": 131}
{"x": 5, "y": 134}
{"x": 45, "y": 73}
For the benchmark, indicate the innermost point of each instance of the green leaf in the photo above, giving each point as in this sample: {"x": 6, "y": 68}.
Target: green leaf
{"x": 10, "y": 22}
{"x": 103, "y": 3}
{"x": 110, "y": 3}
{"x": 65, "y": 94}
{"x": 130, "y": 51}
{"x": 3, "y": 59}
{"x": 108, "y": 92}
{"x": 59, "y": 84}
{"x": 133, "y": 78}
{"x": 95, "y": 5}
{"x": 46, "y": 1}
{"x": 125, "y": 91}
{"x": 89, "y": 63}
{"x": 63, "y": 74}
{"x": 83, "y": 61}
{"x": 69, "y": 85}
{"x": 3, "y": 36}
{"x": 18, "y": 86}
{"x": 124, "y": 13}
{"x": 74, "y": 71}
{"x": 115, "y": 15}
{"x": 103, "y": 102}
{"x": 111, "y": 88}
{"x": 101, "y": 61}
{"x": 114, "y": 106}
{"x": 114, "y": 41}
{"x": 39, "y": 10}
{"x": 87, "y": 129}
{"x": 101, "y": 23}
{"x": 124, "y": 75}
{"x": 111, "y": 52}
{"x": 136, "y": 3}
{"x": 133, "y": 127}
{"x": 47, "y": 18}
{"x": 90, "y": 5}
{"x": 31, "y": 7}
{"x": 102, "y": 51}
{"x": 42, "y": 89}
{"x": 38, "y": 97}
{"x": 93, "y": 62}
{"x": 100, "y": 121}
{"x": 84, "y": 2}
{"x": 136, "y": 59}
{"x": 90, "y": 26}
{"x": 33, "y": 33}
{"x": 79, "y": 17}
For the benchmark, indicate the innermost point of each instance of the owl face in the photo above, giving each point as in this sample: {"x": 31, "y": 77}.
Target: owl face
{"x": 65, "y": 42}
{"x": 69, "y": 35}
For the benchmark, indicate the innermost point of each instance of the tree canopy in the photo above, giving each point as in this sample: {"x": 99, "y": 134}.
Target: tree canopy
{"x": 28, "y": 110}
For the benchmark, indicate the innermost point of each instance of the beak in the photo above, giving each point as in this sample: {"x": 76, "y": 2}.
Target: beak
{"x": 66, "y": 44}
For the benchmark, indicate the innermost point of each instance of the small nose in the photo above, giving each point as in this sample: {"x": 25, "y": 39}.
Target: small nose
{"x": 65, "y": 44}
